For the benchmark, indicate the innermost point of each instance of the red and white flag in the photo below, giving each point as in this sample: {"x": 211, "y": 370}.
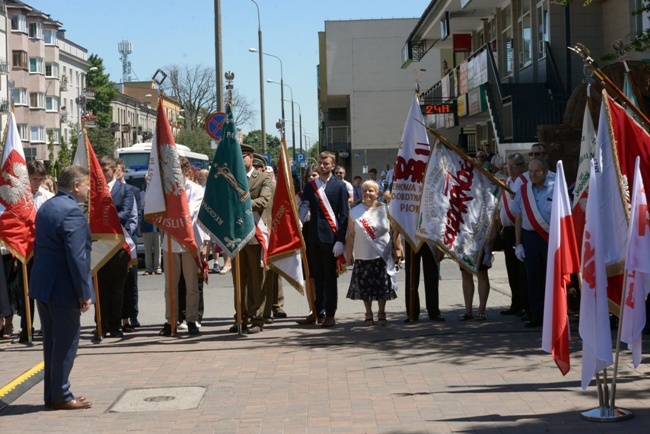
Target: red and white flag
{"x": 562, "y": 261}
{"x": 285, "y": 243}
{"x": 408, "y": 177}
{"x": 637, "y": 264}
{"x": 580, "y": 192}
{"x": 166, "y": 205}
{"x": 594, "y": 316}
{"x": 17, "y": 211}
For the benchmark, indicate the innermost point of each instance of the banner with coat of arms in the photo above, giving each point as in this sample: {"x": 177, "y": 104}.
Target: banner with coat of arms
{"x": 458, "y": 206}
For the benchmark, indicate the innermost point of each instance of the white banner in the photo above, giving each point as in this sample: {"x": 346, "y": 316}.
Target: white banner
{"x": 458, "y": 206}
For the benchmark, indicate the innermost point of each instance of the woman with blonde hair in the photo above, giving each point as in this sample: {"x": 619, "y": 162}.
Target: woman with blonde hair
{"x": 373, "y": 252}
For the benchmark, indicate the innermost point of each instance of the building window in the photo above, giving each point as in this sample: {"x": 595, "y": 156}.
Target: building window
{"x": 37, "y": 135}
{"x": 525, "y": 35}
{"x": 51, "y": 103}
{"x": 23, "y": 130}
{"x": 18, "y": 23}
{"x": 50, "y": 37}
{"x": 36, "y": 65}
{"x": 542, "y": 27}
{"x": 20, "y": 96}
{"x": 36, "y": 30}
{"x": 19, "y": 59}
{"x": 55, "y": 135}
{"x": 37, "y": 100}
{"x": 52, "y": 70}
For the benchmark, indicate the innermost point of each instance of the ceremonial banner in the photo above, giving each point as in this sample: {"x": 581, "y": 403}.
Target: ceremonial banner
{"x": 226, "y": 212}
{"x": 412, "y": 158}
{"x": 562, "y": 260}
{"x": 459, "y": 203}
{"x": 285, "y": 237}
{"x": 103, "y": 219}
{"x": 613, "y": 196}
{"x": 580, "y": 192}
{"x": 17, "y": 211}
{"x": 594, "y": 317}
{"x": 166, "y": 205}
{"x": 637, "y": 264}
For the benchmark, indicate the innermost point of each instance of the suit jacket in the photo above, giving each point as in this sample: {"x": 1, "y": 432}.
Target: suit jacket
{"x": 62, "y": 245}
{"x": 319, "y": 228}
{"x": 260, "y": 185}
{"x": 123, "y": 199}
{"x": 136, "y": 214}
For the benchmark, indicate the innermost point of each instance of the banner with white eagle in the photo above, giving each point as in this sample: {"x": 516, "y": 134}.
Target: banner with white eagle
{"x": 458, "y": 206}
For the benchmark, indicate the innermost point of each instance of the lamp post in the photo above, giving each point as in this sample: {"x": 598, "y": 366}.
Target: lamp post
{"x": 254, "y": 50}
{"x": 259, "y": 37}
{"x": 293, "y": 124}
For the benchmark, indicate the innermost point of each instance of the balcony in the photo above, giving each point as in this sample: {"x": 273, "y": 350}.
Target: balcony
{"x": 4, "y": 106}
{"x": 338, "y": 138}
{"x": 63, "y": 84}
{"x": 88, "y": 93}
{"x": 126, "y": 128}
{"x": 114, "y": 127}
{"x": 4, "y": 66}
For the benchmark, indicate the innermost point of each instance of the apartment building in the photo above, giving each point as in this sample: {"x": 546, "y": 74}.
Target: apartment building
{"x": 73, "y": 68}
{"x": 4, "y": 71}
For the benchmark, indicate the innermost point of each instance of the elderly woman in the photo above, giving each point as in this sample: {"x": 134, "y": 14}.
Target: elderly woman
{"x": 373, "y": 252}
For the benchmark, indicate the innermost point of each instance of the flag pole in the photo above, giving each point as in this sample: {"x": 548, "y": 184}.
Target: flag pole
{"x": 28, "y": 310}
{"x": 98, "y": 310}
{"x": 170, "y": 267}
{"x": 238, "y": 294}
{"x": 618, "y": 341}
{"x": 411, "y": 288}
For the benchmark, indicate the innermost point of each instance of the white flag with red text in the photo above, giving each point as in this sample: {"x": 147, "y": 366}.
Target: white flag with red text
{"x": 458, "y": 207}
{"x": 594, "y": 315}
{"x": 637, "y": 264}
{"x": 408, "y": 177}
{"x": 562, "y": 261}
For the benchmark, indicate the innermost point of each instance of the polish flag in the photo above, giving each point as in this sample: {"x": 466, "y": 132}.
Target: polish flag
{"x": 594, "y": 316}
{"x": 17, "y": 211}
{"x": 638, "y": 269}
{"x": 562, "y": 260}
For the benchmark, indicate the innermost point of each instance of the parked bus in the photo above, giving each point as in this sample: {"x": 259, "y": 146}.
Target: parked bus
{"x": 136, "y": 157}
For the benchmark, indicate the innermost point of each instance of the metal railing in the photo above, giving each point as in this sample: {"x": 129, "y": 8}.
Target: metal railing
{"x": 338, "y": 138}
{"x": 63, "y": 84}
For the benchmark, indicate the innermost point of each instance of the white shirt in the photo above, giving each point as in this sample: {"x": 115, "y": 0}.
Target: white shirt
{"x": 41, "y": 196}
{"x": 194, "y": 194}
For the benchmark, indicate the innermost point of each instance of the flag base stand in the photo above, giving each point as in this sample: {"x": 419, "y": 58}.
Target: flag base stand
{"x": 607, "y": 414}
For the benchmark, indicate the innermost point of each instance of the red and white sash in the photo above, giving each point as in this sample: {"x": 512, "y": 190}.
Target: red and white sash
{"x": 262, "y": 235}
{"x": 375, "y": 226}
{"x": 508, "y": 199}
{"x": 330, "y": 217}
{"x": 530, "y": 207}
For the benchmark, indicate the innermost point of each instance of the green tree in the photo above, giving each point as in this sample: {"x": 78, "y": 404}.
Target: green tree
{"x": 197, "y": 140}
{"x": 65, "y": 154}
{"x": 51, "y": 169}
{"x": 104, "y": 90}
{"x": 254, "y": 139}
{"x": 103, "y": 142}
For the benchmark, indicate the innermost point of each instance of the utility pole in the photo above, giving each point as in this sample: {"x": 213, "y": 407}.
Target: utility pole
{"x": 218, "y": 58}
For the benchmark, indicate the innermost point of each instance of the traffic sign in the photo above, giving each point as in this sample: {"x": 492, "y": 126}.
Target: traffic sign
{"x": 268, "y": 159}
{"x": 300, "y": 158}
{"x": 214, "y": 125}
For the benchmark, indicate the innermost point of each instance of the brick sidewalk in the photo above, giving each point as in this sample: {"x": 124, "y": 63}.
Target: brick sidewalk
{"x": 425, "y": 377}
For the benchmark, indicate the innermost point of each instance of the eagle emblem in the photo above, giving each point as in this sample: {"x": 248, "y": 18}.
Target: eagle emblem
{"x": 172, "y": 175}
{"x": 15, "y": 186}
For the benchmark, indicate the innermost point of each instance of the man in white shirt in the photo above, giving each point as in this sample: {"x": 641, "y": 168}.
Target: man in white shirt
{"x": 339, "y": 171}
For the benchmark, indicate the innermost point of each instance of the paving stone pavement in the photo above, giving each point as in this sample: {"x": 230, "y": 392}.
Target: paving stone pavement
{"x": 424, "y": 377}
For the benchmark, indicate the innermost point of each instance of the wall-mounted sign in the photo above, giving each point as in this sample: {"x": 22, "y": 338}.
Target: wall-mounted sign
{"x": 440, "y": 108}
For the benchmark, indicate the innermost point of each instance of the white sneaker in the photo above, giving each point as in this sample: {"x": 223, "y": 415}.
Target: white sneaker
{"x": 198, "y": 324}
{"x": 182, "y": 326}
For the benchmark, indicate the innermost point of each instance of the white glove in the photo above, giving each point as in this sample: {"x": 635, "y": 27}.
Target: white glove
{"x": 519, "y": 252}
{"x": 338, "y": 249}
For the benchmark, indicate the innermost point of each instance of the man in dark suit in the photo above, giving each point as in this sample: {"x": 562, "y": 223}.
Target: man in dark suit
{"x": 326, "y": 197}
{"x": 112, "y": 276}
{"x": 60, "y": 283}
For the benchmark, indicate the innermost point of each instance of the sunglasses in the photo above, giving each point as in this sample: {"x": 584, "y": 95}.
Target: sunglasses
{"x": 339, "y": 173}
{"x": 536, "y": 154}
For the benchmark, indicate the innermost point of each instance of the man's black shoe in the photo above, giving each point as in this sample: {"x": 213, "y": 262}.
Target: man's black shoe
{"x": 534, "y": 323}
{"x": 126, "y": 328}
{"x": 235, "y": 329}
{"x": 135, "y": 322}
{"x": 166, "y": 330}
{"x": 23, "y": 338}
{"x": 510, "y": 311}
{"x": 115, "y": 333}
{"x": 280, "y": 314}
{"x": 192, "y": 328}
{"x": 437, "y": 318}
{"x": 521, "y": 313}
{"x": 408, "y": 320}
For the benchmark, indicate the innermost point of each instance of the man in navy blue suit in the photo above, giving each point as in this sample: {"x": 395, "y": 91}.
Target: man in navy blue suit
{"x": 61, "y": 283}
{"x": 326, "y": 197}
{"x": 112, "y": 276}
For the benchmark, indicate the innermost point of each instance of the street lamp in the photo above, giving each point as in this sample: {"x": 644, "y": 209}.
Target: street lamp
{"x": 293, "y": 124}
{"x": 254, "y": 50}
{"x": 259, "y": 37}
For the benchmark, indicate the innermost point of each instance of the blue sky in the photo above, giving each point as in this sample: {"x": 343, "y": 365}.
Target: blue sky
{"x": 165, "y": 32}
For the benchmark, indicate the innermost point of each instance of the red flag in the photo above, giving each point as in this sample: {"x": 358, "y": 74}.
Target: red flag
{"x": 166, "y": 205}
{"x": 17, "y": 211}
{"x": 285, "y": 238}
{"x": 562, "y": 260}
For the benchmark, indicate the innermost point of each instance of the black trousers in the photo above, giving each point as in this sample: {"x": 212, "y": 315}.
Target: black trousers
{"x": 516, "y": 271}
{"x": 431, "y": 274}
{"x": 536, "y": 249}
{"x": 130, "y": 303}
{"x": 111, "y": 278}
{"x": 323, "y": 269}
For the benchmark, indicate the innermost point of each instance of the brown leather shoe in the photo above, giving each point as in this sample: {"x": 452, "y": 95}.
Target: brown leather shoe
{"x": 75, "y": 404}
{"x": 309, "y": 320}
{"x": 329, "y": 322}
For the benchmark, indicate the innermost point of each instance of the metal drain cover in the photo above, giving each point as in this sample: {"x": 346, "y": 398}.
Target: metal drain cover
{"x": 159, "y": 399}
